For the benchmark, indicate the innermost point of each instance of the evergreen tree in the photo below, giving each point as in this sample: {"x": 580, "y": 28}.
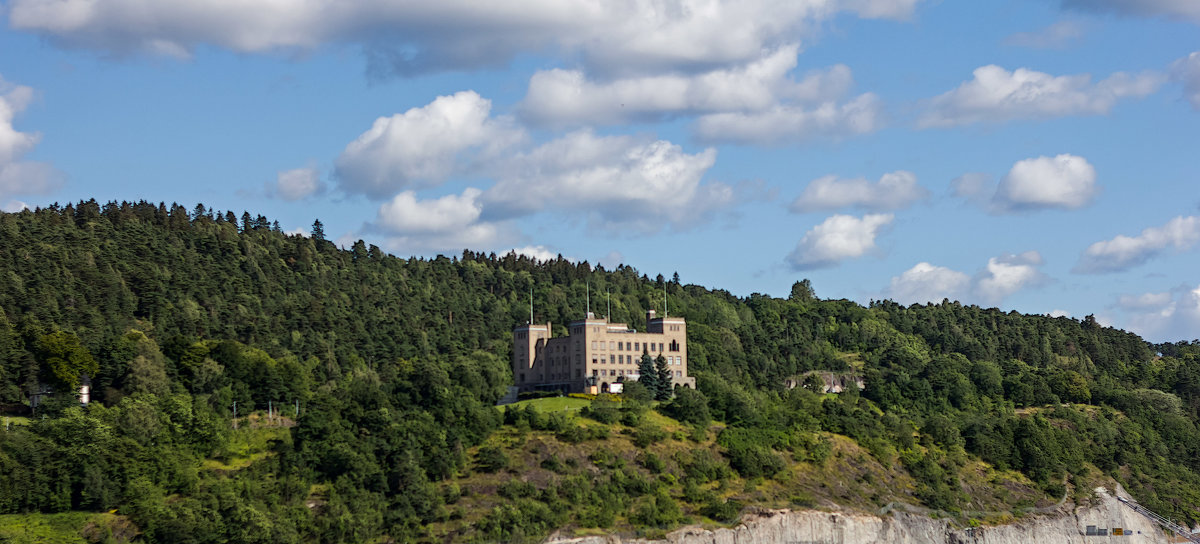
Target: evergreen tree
{"x": 647, "y": 376}
{"x": 318, "y": 231}
{"x": 663, "y": 375}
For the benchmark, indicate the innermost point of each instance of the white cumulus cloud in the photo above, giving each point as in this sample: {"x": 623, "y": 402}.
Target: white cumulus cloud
{"x": 412, "y": 37}
{"x": 18, "y": 176}
{"x": 1002, "y": 277}
{"x": 298, "y": 183}
{"x": 893, "y": 191}
{"x": 1187, "y": 71}
{"x": 996, "y": 95}
{"x": 616, "y": 182}
{"x": 925, "y": 282}
{"x": 561, "y": 97}
{"x": 538, "y": 252}
{"x": 1009, "y": 274}
{"x": 836, "y": 239}
{"x": 794, "y": 122}
{"x": 424, "y": 146}
{"x": 1125, "y": 252}
{"x": 1064, "y": 181}
{"x": 451, "y": 222}
{"x": 1162, "y": 317}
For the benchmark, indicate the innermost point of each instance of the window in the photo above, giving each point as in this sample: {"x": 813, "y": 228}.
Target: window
{"x": 593, "y": 344}
{"x": 637, "y": 346}
{"x": 674, "y": 345}
{"x": 620, "y": 372}
{"x": 621, "y": 359}
{"x": 578, "y": 373}
{"x": 660, "y": 346}
{"x": 612, "y": 345}
{"x": 595, "y": 372}
{"x": 620, "y": 345}
{"x": 678, "y": 373}
{"x": 522, "y": 377}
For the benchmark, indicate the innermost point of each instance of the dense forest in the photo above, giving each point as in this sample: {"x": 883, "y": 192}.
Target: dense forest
{"x": 373, "y": 380}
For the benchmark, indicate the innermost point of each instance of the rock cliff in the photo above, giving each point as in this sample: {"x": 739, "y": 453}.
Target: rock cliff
{"x": 1068, "y": 526}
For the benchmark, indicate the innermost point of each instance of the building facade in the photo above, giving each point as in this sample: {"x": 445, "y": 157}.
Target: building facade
{"x": 595, "y": 354}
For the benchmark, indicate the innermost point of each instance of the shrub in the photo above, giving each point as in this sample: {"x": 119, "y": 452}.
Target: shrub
{"x": 492, "y": 459}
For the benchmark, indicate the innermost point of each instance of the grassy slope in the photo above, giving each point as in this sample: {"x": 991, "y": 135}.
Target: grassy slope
{"x": 850, "y": 477}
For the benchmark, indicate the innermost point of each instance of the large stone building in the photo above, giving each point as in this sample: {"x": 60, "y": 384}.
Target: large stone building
{"x": 596, "y": 354}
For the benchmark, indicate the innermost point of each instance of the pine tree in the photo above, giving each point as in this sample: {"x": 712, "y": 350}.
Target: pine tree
{"x": 318, "y": 231}
{"x": 647, "y": 376}
{"x": 663, "y": 377}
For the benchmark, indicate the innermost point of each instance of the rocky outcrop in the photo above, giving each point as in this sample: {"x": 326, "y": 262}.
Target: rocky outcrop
{"x": 813, "y": 527}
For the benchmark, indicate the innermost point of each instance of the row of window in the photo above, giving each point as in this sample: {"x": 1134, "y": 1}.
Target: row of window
{"x": 630, "y": 360}
{"x": 603, "y": 373}
{"x": 627, "y": 346}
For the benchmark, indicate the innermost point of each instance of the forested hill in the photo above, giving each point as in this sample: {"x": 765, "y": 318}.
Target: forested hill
{"x": 176, "y": 314}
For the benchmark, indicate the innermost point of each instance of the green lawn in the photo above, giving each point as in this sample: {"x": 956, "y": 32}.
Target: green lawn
{"x": 65, "y": 528}
{"x": 14, "y": 420}
{"x": 553, "y": 404}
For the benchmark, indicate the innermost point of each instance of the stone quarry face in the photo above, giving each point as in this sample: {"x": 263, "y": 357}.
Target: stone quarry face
{"x": 815, "y": 527}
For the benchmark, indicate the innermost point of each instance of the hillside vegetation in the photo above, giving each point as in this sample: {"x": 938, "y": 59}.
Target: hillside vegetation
{"x": 395, "y": 365}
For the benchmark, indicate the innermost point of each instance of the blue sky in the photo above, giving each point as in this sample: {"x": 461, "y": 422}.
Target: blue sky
{"x": 1035, "y": 155}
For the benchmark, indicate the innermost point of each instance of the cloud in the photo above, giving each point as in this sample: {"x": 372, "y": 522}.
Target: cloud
{"x": 1184, "y": 10}
{"x": 423, "y": 146}
{"x": 1162, "y": 317}
{"x": 928, "y": 283}
{"x": 998, "y": 95}
{"x": 793, "y": 123}
{"x": 1125, "y": 252}
{"x": 415, "y": 37}
{"x": 893, "y": 191}
{"x": 1145, "y": 301}
{"x": 836, "y": 239}
{"x": 1009, "y": 274}
{"x": 1004, "y": 276}
{"x": 14, "y": 206}
{"x": 17, "y": 176}
{"x": 1059, "y": 313}
{"x": 1063, "y": 181}
{"x": 616, "y": 182}
{"x": 975, "y": 187}
{"x": 612, "y": 260}
{"x": 565, "y": 97}
{"x": 1187, "y": 71}
{"x": 1055, "y": 36}
{"x": 298, "y": 183}
{"x": 451, "y": 222}
{"x": 539, "y": 252}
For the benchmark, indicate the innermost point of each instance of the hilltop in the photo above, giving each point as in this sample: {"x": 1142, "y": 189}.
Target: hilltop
{"x": 365, "y": 387}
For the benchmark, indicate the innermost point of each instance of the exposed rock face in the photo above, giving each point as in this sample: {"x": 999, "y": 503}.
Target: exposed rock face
{"x": 812, "y": 527}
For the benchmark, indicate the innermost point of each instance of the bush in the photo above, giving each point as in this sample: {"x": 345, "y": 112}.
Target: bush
{"x": 492, "y": 459}
{"x": 689, "y": 406}
{"x": 648, "y": 433}
{"x": 652, "y": 462}
{"x": 603, "y": 410}
{"x": 722, "y": 511}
